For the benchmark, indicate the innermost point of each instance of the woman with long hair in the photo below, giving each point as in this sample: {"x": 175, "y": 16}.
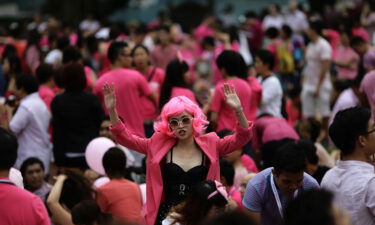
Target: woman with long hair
{"x": 175, "y": 83}
{"x": 179, "y": 154}
{"x": 205, "y": 200}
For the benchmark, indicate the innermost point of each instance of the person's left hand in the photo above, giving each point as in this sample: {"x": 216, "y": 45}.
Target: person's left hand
{"x": 231, "y": 97}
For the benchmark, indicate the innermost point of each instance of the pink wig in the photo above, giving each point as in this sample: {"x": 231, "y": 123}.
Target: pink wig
{"x": 177, "y": 106}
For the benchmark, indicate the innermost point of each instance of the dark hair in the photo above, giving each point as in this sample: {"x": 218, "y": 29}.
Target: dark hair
{"x": 317, "y": 26}
{"x": 272, "y": 32}
{"x": 74, "y": 77}
{"x": 9, "y": 50}
{"x": 347, "y": 125}
{"x": 139, "y": 46}
{"x": 8, "y": 150}
{"x": 310, "y": 208}
{"x": 233, "y": 63}
{"x": 114, "y": 162}
{"x": 62, "y": 42}
{"x": 197, "y": 204}
{"x": 310, "y": 151}
{"x": 76, "y": 188}
{"x": 356, "y": 41}
{"x": 251, "y": 15}
{"x": 88, "y": 212}
{"x": 290, "y": 158}
{"x": 28, "y": 162}
{"x": 164, "y": 28}
{"x": 71, "y": 54}
{"x": 235, "y": 217}
{"x": 309, "y": 129}
{"x": 27, "y": 82}
{"x": 33, "y": 37}
{"x": 208, "y": 40}
{"x": 174, "y": 77}
{"x": 115, "y": 49}
{"x": 227, "y": 171}
{"x": 266, "y": 57}
{"x": 14, "y": 64}
{"x": 44, "y": 73}
{"x": 287, "y": 30}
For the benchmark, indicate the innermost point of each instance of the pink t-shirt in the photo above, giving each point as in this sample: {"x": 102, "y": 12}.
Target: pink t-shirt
{"x": 47, "y": 95}
{"x": 202, "y": 31}
{"x": 155, "y": 78}
{"x": 179, "y": 91}
{"x": 294, "y": 114}
{"x": 256, "y": 96}
{"x": 249, "y": 164}
{"x": 130, "y": 85}
{"x": 268, "y": 128}
{"x": 235, "y": 194}
{"x": 121, "y": 198}
{"x": 345, "y": 54}
{"x": 20, "y": 207}
{"x": 226, "y": 117}
{"x": 368, "y": 88}
{"x": 160, "y": 57}
{"x": 89, "y": 82}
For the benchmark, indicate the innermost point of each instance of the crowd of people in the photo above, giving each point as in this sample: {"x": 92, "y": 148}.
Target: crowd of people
{"x": 268, "y": 119}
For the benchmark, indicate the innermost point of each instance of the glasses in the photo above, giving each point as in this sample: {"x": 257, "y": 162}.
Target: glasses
{"x": 371, "y": 131}
{"x": 173, "y": 123}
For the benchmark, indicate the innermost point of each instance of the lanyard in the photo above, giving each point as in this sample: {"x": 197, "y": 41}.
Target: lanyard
{"x": 6, "y": 182}
{"x": 277, "y": 197}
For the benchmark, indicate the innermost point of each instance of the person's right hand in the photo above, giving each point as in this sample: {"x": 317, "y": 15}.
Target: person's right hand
{"x": 109, "y": 96}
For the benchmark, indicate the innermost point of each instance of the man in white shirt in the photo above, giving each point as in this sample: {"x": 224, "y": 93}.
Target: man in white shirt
{"x": 317, "y": 86}
{"x": 295, "y": 18}
{"x": 352, "y": 180}
{"x": 272, "y": 92}
{"x": 30, "y": 123}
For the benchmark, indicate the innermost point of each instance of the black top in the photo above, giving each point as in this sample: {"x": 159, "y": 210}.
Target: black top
{"x": 178, "y": 182}
{"x": 76, "y": 118}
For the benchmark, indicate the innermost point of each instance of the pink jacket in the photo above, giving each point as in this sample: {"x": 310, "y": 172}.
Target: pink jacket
{"x": 156, "y": 147}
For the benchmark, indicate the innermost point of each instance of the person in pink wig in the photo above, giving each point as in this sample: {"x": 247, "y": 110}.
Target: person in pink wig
{"x": 179, "y": 154}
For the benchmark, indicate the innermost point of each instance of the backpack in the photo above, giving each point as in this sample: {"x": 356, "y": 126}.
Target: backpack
{"x": 286, "y": 60}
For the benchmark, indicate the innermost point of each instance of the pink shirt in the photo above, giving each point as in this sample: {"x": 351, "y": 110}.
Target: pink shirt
{"x": 20, "y": 207}
{"x": 121, "y": 198}
{"x": 345, "y": 54}
{"x": 47, "y": 95}
{"x": 249, "y": 164}
{"x": 179, "y": 91}
{"x": 160, "y": 56}
{"x": 235, "y": 194}
{"x": 130, "y": 85}
{"x": 155, "y": 78}
{"x": 226, "y": 116}
{"x": 268, "y": 128}
{"x": 202, "y": 31}
{"x": 368, "y": 88}
{"x": 256, "y": 96}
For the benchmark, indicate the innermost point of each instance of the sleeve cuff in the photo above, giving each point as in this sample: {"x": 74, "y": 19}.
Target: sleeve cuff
{"x": 118, "y": 127}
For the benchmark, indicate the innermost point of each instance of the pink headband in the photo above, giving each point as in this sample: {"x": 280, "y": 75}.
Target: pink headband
{"x": 219, "y": 189}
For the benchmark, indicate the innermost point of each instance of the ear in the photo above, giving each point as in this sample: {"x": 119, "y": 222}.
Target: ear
{"x": 362, "y": 141}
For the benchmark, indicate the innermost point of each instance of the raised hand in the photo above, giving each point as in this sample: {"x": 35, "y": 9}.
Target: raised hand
{"x": 231, "y": 97}
{"x": 109, "y": 96}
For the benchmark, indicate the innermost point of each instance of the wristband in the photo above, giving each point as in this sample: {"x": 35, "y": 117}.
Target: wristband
{"x": 238, "y": 111}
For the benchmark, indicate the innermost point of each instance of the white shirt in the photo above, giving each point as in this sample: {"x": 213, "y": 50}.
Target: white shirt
{"x": 273, "y": 21}
{"x": 54, "y": 57}
{"x": 316, "y": 52}
{"x": 346, "y": 100}
{"x": 353, "y": 185}
{"x": 272, "y": 94}
{"x": 297, "y": 21}
{"x": 30, "y": 124}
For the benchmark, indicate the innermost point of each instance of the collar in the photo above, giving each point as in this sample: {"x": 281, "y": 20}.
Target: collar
{"x": 346, "y": 164}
